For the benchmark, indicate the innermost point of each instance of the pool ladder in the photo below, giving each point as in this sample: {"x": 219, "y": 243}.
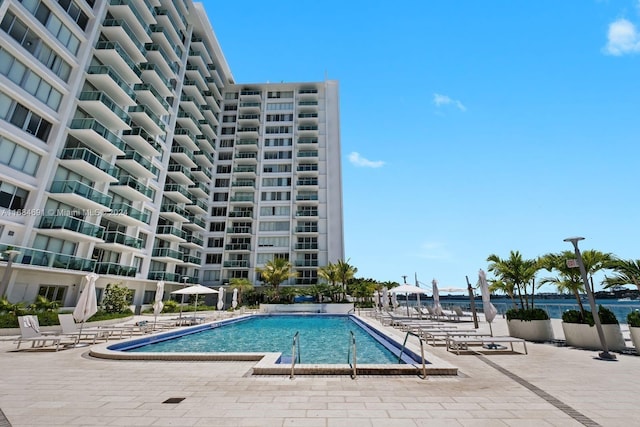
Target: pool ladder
{"x": 404, "y": 344}
{"x": 295, "y": 353}
{"x": 352, "y": 346}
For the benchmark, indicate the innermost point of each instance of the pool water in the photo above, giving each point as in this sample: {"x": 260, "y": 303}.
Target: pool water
{"x": 323, "y": 339}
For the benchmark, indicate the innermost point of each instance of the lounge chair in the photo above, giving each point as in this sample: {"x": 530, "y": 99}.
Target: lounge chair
{"x": 461, "y": 315}
{"x": 30, "y": 332}
{"x": 70, "y": 327}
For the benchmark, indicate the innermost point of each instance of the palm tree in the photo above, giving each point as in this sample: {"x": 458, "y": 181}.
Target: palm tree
{"x": 329, "y": 273}
{"x": 275, "y": 272}
{"x": 569, "y": 279}
{"x": 505, "y": 288}
{"x": 346, "y": 272}
{"x": 516, "y": 273}
{"x": 243, "y": 285}
{"x": 626, "y": 272}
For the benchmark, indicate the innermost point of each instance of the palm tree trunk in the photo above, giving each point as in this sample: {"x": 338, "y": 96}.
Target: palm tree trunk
{"x": 577, "y": 295}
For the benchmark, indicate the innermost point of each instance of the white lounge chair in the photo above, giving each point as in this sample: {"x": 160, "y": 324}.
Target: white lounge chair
{"x": 70, "y": 327}
{"x": 30, "y": 332}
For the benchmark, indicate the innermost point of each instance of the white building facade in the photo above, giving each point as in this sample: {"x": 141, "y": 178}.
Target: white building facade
{"x": 127, "y": 149}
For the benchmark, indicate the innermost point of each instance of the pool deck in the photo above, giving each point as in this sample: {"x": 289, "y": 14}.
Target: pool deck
{"x": 551, "y": 386}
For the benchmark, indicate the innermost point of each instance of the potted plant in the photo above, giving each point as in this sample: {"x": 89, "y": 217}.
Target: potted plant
{"x": 579, "y": 329}
{"x": 516, "y": 278}
{"x": 633, "y": 320}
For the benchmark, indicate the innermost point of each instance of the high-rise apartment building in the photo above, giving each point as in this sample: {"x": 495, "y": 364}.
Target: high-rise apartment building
{"x": 127, "y": 149}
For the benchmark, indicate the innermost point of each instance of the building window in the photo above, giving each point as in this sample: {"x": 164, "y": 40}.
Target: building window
{"x": 278, "y": 142}
{"x": 218, "y": 211}
{"x": 53, "y": 293}
{"x": 213, "y": 259}
{"x": 225, "y": 155}
{"x": 222, "y": 182}
{"x": 216, "y": 226}
{"x": 223, "y": 169}
{"x": 18, "y": 157}
{"x": 12, "y": 197}
{"x": 55, "y": 26}
{"x": 280, "y": 106}
{"x": 276, "y": 155}
{"x": 274, "y": 226}
{"x": 20, "y": 116}
{"x": 220, "y": 197}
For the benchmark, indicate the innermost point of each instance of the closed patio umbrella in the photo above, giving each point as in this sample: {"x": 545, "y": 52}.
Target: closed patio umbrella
{"x": 489, "y": 309}
{"x": 220, "y": 298}
{"x": 234, "y": 301}
{"x": 87, "y": 304}
{"x": 158, "y": 305}
{"x": 436, "y": 297}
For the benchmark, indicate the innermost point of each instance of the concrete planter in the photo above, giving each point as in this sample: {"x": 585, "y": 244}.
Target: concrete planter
{"x": 585, "y": 336}
{"x": 635, "y": 337}
{"x": 531, "y": 330}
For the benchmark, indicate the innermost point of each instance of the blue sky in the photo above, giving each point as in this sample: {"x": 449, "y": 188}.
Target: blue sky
{"x": 468, "y": 128}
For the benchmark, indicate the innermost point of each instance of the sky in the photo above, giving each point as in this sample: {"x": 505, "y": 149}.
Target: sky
{"x": 468, "y": 128}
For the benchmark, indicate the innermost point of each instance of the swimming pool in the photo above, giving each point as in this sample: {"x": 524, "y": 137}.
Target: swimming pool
{"x": 377, "y": 351}
{"x": 322, "y": 339}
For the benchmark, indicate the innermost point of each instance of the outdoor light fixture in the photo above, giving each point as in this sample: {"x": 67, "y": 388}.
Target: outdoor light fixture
{"x": 604, "y": 355}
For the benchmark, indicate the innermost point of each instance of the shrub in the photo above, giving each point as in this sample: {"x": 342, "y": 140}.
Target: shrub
{"x": 574, "y": 316}
{"x": 527, "y": 314}
{"x": 633, "y": 319}
{"x": 170, "y": 306}
{"x": 116, "y": 299}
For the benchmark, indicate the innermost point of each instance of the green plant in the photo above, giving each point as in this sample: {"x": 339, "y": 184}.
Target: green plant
{"x": 575, "y": 316}
{"x": 527, "y": 314}
{"x": 633, "y": 319}
{"x": 170, "y": 306}
{"x": 116, "y": 299}
{"x": 43, "y": 304}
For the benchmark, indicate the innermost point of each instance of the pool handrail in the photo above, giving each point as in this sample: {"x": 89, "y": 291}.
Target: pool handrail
{"x": 352, "y": 344}
{"x": 404, "y": 344}
{"x": 295, "y": 355}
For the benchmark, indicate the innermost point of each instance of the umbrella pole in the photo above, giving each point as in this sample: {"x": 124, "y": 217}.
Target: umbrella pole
{"x": 195, "y": 312}
{"x": 78, "y": 343}
{"x": 181, "y": 303}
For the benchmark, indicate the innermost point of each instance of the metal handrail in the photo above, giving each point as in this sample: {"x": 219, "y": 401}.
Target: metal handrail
{"x": 404, "y": 344}
{"x": 295, "y": 355}
{"x": 352, "y": 345}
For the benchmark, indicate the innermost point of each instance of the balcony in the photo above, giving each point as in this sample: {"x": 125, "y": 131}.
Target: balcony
{"x": 174, "y": 213}
{"x": 136, "y": 18}
{"x": 146, "y": 118}
{"x": 166, "y": 255}
{"x": 246, "y": 157}
{"x": 137, "y": 165}
{"x": 307, "y": 213}
{"x": 40, "y": 258}
{"x": 187, "y": 120}
{"x": 68, "y": 227}
{"x": 199, "y": 190}
{"x": 191, "y": 261}
{"x": 97, "y": 136}
{"x": 140, "y": 140}
{"x": 201, "y": 174}
{"x": 307, "y": 182}
{"x": 306, "y": 263}
{"x": 79, "y": 194}
{"x": 180, "y": 174}
{"x": 310, "y": 196}
{"x": 147, "y": 94}
{"x": 160, "y": 35}
{"x": 205, "y": 143}
{"x": 88, "y": 164}
{"x": 131, "y": 188}
{"x": 119, "y": 31}
{"x": 186, "y": 138}
{"x": 196, "y": 222}
{"x": 183, "y": 156}
{"x": 119, "y": 238}
{"x": 157, "y": 55}
{"x": 98, "y": 104}
{"x": 238, "y": 263}
{"x": 237, "y": 247}
{"x": 107, "y": 80}
{"x": 307, "y": 229}
{"x": 311, "y": 141}
{"x": 249, "y": 108}
{"x": 306, "y": 246}
{"x": 151, "y": 73}
{"x": 244, "y": 183}
{"x": 171, "y": 233}
{"x": 126, "y": 214}
{"x": 239, "y": 230}
{"x": 247, "y": 144}
{"x": 109, "y": 52}
{"x": 242, "y": 198}
{"x": 248, "y": 170}
{"x": 191, "y": 104}
{"x": 302, "y": 154}
{"x": 164, "y": 275}
{"x": 165, "y": 18}
{"x": 193, "y": 241}
{"x": 114, "y": 269}
{"x": 203, "y": 158}
{"x": 307, "y": 167}
{"x": 177, "y": 193}
{"x": 196, "y": 206}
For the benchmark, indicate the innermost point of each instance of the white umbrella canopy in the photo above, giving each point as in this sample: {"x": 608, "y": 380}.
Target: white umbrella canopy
{"x": 234, "y": 301}
{"x": 489, "y": 309}
{"x": 87, "y": 304}
{"x": 195, "y": 290}
{"x": 158, "y": 305}
{"x": 220, "y": 298}
{"x": 407, "y": 289}
{"x": 436, "y": 297}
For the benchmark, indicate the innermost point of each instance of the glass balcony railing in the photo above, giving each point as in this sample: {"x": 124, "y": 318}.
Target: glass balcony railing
{"x": 237, "y": 263}
{"x": 147, "y": 66}
{"x": 81, "y": 189}
{"x": 191, "y": 238}
{"x": 203, "y": 170}
{"x": 196, "y": 202}
{"x": 154, "y": 92}
{"x": 138, "y": 131}
{"x": 91, "y": 158}
{"x": 307, "y": 196}
{"x": 237, "y": 247}
{"x": 107, "y": 70}
{"x": 42, "y": 258}
{"x": 115, "y": 269}
{"x": 120, "y": 23}
{"x": 107, "y": 45}
{"x": 108, "y": 102}
{"x": 307, "y": 167}
{"x": 197, "y": 221}
{"x": 177, "y": 188}
{"x": 306, "y": 229}
{"x": 239, "y": 230}
{"x": 171, "y": 208}
{"x": 192, "y": 259}
{"x": 240, "y": 214}
{"x": 135, "y": 156}
{"x": 101, "y": 130}
{"x": 244, "y": 197}
{"x": 306, "y": 246}
{"x": 123, "y": 239}
{"x": 148, "y": 112}
{"x": 164, "y": 275}
{"x": 132, "y": 182}
{"x": 306, "y": 263}
{"x": 166, "y": 252}
{"x": 168, "y": 229}
{"x": 125, "y": 209}
{"x": 134, "y": 10}
{"x": 70, "y": 223}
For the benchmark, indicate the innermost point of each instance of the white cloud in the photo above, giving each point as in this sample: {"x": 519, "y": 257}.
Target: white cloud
{"x": 622, "y": 38}
{"x": 358, "y": 160}
{"x": 441, "y": 100}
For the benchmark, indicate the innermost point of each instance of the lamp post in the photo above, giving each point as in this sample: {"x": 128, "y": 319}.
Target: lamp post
{"x": 184, "y": 280}
{"x": 604, "y": 355}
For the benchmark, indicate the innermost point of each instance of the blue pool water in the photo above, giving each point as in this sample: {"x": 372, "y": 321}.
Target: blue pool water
{"x": 323, "y": 339}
